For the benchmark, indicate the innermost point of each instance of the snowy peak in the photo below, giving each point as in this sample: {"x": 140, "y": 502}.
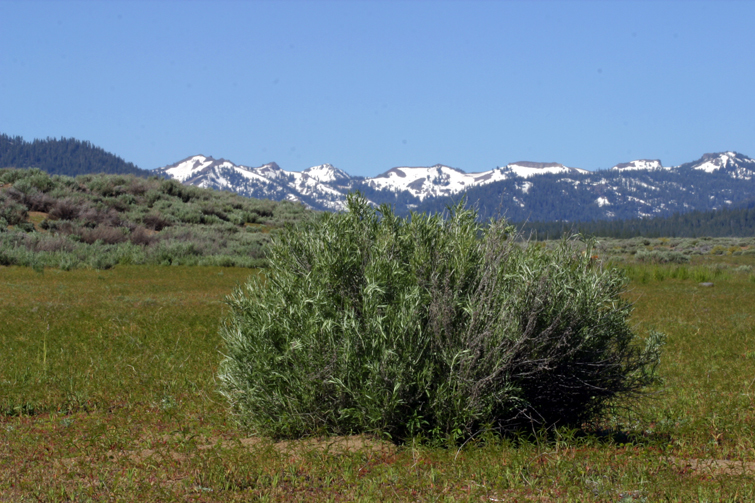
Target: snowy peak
{"x": 713, "y": 162}
{"x": 423, "y": 182}
{"x": 190, "y": 167}
{"x": 414, "y": 172}
{"x": 327, "y": 173}
{"x": 729, "y": 161}
{"x": 270, "y": 167}
{"x": 639, "y": 164}
{"x": 270, "y": 171}
{"x": 200, "y": 167}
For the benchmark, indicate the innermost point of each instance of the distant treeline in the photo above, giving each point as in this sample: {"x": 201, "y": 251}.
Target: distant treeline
{"x": 64, "y": 156}
{"x": 716, "y": 223}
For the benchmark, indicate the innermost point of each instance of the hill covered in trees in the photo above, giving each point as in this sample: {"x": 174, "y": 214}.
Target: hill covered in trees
{"x": 64, "y": 156}
{"x": 726, "y": 222}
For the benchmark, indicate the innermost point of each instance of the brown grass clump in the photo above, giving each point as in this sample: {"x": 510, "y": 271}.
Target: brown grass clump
{"x": 37, "y": 201}
{"x": 108, "y": 235}
{"x": 64, "y": 209}
{"x": 155, "y": 221}
{"x": 53, "y": 244}
{"x": 96, "y": 216}
{"x": 142, "y": 236}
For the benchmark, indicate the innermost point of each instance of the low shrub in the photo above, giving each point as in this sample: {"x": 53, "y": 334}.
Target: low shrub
{"x": 431, "y": 327}
{"x": 35, "y": 200}
{"x": 52, "y": 244}
{"x": 140, "y": 236}
{"x": 64, "y": 209}
{"x": 34, "y": 179}
{"x": 662, "y": 257}
{"x": 13, "y": 213}
{"x": 156, "y": 221}
{"x": 108, "y": 235}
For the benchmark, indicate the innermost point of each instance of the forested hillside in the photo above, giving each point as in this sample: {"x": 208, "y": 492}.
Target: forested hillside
{"x": 64, "y": 156}
{"x": 727, "y": 222}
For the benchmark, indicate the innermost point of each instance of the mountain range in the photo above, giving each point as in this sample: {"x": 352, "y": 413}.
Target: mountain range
{"x": 521, "y": 190}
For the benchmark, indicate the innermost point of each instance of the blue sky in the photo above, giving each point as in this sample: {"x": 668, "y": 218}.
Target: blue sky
{"x": 370, "y": 85}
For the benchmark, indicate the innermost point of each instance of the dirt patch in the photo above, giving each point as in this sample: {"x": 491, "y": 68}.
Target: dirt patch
{"x": 336, "y": 445}
{"x": 36, "y": 218}
{"x": 330, "y": 445}
{"x": 715, "y": 466}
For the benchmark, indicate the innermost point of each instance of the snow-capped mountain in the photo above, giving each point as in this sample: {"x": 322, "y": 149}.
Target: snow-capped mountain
{"x": 640, "y": 188}
{"x": 443, "y": 181}
{"x": 317, "y": 186}
{"x": 734, "y": 164}
{"x": 325, "y": 186}
{"x": 521, "y": 190}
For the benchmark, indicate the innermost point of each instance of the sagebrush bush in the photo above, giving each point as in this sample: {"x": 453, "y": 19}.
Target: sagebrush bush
{"x": 366, "y": 322}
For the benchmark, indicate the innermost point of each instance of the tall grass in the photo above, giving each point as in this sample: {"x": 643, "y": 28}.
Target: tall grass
{"x": 645, "y": 273}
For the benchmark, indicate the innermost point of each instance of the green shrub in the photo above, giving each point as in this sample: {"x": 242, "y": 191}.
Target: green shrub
{"x": 39, "y": 180}
{"x": 25, "y": 226}
{"x": 367, "y": 322}
{"x": 702, "y": 274}
{"x": 680, "y": 273}
{"x": 13, "y": 213}
{"x": 661, "y": 257}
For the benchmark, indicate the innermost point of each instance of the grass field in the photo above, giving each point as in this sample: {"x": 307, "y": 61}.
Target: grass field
{"x": 108, "y": 393}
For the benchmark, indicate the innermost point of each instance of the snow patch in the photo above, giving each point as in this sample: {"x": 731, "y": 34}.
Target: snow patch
{"x": 639, "y": 164}
{"x": 524, "y": 187}
{"x": 526, "y": 169}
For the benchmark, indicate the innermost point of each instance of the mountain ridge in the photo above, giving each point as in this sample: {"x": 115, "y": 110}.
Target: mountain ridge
{"x": 639, "y": 188}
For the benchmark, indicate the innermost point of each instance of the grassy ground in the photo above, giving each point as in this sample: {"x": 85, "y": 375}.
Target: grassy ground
{"x": 107, "y": 392}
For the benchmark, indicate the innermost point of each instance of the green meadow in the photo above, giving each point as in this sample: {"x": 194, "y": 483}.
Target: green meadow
{"x": 108, "y": 392}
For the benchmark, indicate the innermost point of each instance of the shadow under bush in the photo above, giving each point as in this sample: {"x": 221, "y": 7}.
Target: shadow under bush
{"x": 432, "y": 327}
